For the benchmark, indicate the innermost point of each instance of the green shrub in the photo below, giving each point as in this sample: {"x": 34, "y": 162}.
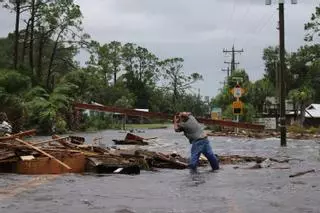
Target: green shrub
{"x": 295, "y": 128}
{"x": 61, "y": 126}
{"x": 313, "y": 130}
{"x": 215, "y": 128}
{"x": 96, "y": 122}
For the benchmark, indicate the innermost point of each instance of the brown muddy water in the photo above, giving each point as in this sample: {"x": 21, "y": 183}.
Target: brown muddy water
{"x": 176, "y": 191}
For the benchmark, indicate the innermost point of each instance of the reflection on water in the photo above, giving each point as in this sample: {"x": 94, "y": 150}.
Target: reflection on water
{"x": 228, "y": 190}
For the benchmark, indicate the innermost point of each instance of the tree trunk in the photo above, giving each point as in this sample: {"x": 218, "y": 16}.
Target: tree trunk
{"x": 16, "y": 42}
{"x": 52, "y": 59}
{"x": 175, "y": 92}
{"x": 115, "y": 76}
{"x": 31, "y": 61}
{"x": 25, "y": 41}
{"x": 302, "y": 113}
{"x": 39, "y": 69}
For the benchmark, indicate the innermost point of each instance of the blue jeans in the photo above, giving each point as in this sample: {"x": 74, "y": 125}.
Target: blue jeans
{"x": 202, "y": 146}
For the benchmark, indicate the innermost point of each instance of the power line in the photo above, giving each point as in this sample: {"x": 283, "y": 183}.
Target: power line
{"x": 231, "y": 17}
{"x": 265, "y": 20}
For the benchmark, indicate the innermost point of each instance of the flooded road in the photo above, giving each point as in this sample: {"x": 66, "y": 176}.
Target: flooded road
{"x": 177, "y": 191}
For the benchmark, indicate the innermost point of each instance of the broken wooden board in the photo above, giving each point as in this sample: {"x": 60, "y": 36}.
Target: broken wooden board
{"x": 27, "y": 157}
{"x": 43, "y": 152}
{"x": 130, "y": 142}
{"x": 18, "y": 135}
{"x": 7, "y": 154}
{"x": 77, "y": 140}
{"x": 45, "y": 165}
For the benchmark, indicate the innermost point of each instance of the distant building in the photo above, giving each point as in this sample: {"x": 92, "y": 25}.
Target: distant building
{"x": 118, "y": 116}
{"x": 312, "y": 115}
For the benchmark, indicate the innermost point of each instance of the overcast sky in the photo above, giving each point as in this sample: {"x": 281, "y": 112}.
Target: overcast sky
{"x": 195, "y": 30}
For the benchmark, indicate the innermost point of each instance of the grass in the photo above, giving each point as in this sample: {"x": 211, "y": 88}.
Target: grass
{"x": 147, "y": 126}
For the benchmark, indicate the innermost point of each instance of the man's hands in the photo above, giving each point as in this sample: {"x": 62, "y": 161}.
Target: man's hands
{"x": 178, "y": 117}
{"x": 176, "y": 120}
{"x": 184, "y": 114}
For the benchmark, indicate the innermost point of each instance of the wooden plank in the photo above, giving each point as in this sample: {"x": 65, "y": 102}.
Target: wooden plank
{"x": 48, "y": 141}
{"x": 42, "y": 152}
{"x": 18, "y": 135}
{"x": 61, "y": 150}
{"x": 63, "y": 142}
{"x": 6, "y": 155}
{"x": 133, "y": 112}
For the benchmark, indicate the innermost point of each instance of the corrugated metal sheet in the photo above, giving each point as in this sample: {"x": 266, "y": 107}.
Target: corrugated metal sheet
{"x": 313, "y": 111}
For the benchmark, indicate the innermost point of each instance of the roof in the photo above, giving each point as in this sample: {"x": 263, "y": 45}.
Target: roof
{"x": 313, "y": 110}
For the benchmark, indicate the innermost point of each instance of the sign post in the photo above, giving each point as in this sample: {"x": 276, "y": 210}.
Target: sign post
{"x": 237, "y": 106}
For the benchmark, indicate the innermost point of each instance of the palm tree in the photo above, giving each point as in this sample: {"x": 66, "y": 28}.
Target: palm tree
{"x": 50, "y": 110}
{"x": 300, "y": 98}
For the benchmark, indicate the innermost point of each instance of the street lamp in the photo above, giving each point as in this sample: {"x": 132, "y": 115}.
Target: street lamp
{"x": 282, "y": 93}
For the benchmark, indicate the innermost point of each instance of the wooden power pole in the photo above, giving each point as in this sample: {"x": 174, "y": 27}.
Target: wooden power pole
{"x": 282, "y": 82}
{"x": 233, "y": 57}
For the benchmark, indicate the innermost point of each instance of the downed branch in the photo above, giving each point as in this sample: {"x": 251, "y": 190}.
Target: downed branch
{"x": 302, "y": 173}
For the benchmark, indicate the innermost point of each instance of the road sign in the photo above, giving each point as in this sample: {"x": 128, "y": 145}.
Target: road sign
{"x": 237, "y": 107}
{"x": 237, "y": 91}
{"x": 237, "y": 79}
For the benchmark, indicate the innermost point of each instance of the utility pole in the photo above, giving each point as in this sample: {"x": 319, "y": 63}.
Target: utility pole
{"x": 233, "y": 57}
{"x": 283, "y": 130}
{"x": 226, "y": 70}
{"x": 231, "y": 63}
{"x": 222, "y": 83}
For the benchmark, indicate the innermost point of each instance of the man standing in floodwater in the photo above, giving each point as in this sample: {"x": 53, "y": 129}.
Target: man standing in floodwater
{"x": 185, "y": 122}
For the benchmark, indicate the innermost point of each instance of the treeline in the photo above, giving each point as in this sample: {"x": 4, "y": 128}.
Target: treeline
{"x": 40, "y": 78}
{"x": 302, "y": 77}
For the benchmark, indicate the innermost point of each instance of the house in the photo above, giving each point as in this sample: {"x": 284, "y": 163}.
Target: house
{"x": 118, "y": 116}
{"x": 312, "y": 115}
{"x": 271, "y": 112}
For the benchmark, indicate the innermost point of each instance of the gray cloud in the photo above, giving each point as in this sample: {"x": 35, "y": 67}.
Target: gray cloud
{"x": 195, "y": 30}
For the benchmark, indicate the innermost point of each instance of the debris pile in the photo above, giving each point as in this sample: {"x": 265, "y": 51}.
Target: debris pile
{"x": 72, "y": 154}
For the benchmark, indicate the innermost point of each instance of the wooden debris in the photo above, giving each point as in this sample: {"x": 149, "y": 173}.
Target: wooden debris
{"x": 64, "y": 142}
{"x": 18, "y": 135}
{"x": 131, "y": 139}
{"x": 77, "y": 140}
{"x": 42, "y": 152}
{"x": 28, "y": 157}
{"x": 130, "y": 142}
{"x": 7, "y": 154}
{"x": 71, "y": 152}
{"x": 302, "y": 173}
{"x": 49, "y": 141}
{"x": 45, "y": 165}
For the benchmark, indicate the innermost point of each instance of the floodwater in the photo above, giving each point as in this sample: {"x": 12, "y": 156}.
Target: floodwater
{"x": 176, "y": 191}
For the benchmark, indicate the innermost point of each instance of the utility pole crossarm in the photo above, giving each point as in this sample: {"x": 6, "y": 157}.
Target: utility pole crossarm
{"x": 226, "y": 70}
{"x": 233, "y": 57}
